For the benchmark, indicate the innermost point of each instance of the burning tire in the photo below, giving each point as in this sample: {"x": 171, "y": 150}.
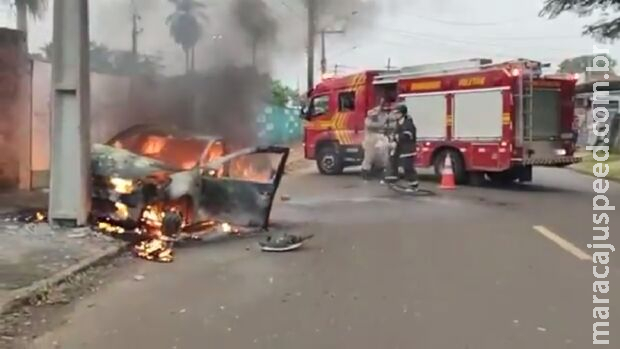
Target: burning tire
{"x": 171, "y": 223}
{"x": 328, "y": 161}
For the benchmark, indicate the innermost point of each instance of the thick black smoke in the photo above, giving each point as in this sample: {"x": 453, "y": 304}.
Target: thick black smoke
{"x": 235, "y": 57}
{"x": 352, "y": 15}
{"x": 237, "y": 84}
{"x": 256, "y": 21}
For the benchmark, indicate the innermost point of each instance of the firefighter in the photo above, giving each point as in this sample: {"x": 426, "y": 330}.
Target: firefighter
{"x": 404, "y": 148}
{"x": 375, "y": 149}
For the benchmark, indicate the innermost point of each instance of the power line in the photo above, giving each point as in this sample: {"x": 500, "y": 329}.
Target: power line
{"x": 468, "y": 24}
{"x": 290, "y": 8}
{"x": 461, "y": 41}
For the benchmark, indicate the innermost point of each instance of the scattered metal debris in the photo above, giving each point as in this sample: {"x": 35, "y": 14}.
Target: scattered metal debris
{"x": 283, "y": 242}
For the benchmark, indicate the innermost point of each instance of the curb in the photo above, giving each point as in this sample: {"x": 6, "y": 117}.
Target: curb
{"x": 21, "y": 296}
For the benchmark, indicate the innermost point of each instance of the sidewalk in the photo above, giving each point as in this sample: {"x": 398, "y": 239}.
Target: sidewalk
{"x": 34, "y": 256}
{"x": 15, "y": 200}
{"x": 296, "y": 160}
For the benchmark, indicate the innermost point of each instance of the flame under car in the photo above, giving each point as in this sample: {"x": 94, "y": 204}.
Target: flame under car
{"x": 146, "y": 172}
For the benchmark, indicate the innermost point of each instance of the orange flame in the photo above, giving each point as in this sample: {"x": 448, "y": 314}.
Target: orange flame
{"x": 122, "y": 186}
{"x": 122, "y": 211}
{"x": 109, "y": 228}
{"x": 153, "y": 145}
{"x": 40, "y": 217}
{"x": 245, "y": 168}
{"x": 156, "y": 246}
{"x": 156, "y": 249}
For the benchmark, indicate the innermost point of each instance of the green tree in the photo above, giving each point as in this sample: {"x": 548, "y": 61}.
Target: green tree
{"x": 282, "y": 95}
{"x": 185, "y": 25}
{"x": 101, "y": 58}
{"x": 607, "y": 28}
{"x": 581, "y": 63}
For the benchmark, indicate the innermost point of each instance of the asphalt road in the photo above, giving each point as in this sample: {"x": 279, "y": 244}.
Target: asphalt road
{"x": 461, "y": 270}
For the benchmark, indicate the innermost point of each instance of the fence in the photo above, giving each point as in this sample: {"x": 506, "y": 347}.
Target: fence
{"x": 279, "y": 125}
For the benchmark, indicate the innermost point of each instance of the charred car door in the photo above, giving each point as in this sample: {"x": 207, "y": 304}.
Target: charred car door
{"x": 240, "y": 188}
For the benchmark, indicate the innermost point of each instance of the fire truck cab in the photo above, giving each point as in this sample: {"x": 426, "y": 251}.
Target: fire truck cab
{"x": 494, "y": 120}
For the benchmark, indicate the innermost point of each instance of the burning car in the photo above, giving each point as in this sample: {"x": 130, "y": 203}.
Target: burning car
{"x": 164, "y": 182}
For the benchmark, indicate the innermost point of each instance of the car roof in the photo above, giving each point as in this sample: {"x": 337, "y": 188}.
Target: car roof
{"x": 169, "y": 131}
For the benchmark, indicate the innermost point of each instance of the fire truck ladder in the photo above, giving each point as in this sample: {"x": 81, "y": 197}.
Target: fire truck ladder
{"x": 525, "y": 106}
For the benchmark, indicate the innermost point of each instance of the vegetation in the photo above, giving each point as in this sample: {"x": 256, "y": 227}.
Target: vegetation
{"x": 579, "y": 64}
{"x": 36, "y": 8}
{"x": 588, "y": 163}
{"x": 186, "y": 27}
{"x": 605, "y": 29}
{"x": 282, "y": 95}
{"x": 115, "y": 62}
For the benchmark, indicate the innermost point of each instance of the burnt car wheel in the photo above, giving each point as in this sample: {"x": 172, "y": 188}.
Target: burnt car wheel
{"x": 172, "y": 223}
{"x": 329, "y": 162}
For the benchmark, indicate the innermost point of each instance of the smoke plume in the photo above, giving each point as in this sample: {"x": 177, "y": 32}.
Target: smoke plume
{"x": 235, "y": 58}
{"x": 352, "y": 15}
{"x": 237, "y": 84}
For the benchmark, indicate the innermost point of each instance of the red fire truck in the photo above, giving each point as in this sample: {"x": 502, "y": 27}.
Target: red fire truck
{"x": 493, "y": 120}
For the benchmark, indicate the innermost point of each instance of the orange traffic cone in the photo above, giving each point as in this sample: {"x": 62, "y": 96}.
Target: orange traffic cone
{"x": 447, "y": 175}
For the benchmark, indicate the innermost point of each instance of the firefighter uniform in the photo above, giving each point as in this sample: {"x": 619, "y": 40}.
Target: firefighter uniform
{"x": 375, "y": 142}
{"x": 404, "y": 155}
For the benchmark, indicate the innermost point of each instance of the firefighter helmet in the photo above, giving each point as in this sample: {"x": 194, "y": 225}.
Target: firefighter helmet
{"x": 402, "y": 109}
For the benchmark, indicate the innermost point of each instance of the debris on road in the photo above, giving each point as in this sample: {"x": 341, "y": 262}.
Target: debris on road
{"x": 77, "y": 235}
{"x": 541, "y": 329}
{"x": 283, "y": 242}
{"x": 139, "y": 277}
{"x": 154, "y": 187}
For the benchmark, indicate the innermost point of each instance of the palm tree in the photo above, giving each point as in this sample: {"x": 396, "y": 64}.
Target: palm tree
{"x": 186, "y": 27}
{"x": 36, "y": 8}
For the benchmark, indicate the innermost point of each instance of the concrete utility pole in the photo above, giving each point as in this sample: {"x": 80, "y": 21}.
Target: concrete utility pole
{"x": 254, "y": 50}
{"x": 311, "y": 4}
{"x": 135, "y": 32}
{"x": 323, "y": 50}
{"x": 22, "y": 16}
{"x": 70, "y": 154}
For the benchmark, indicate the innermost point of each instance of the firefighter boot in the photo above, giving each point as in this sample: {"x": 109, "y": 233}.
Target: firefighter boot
{"x": 365, "y": 175}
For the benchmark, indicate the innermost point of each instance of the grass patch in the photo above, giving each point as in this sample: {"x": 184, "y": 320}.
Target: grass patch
{"x": 588, "y": 162}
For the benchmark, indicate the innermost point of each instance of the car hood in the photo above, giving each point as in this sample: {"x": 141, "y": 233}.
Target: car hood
{"x": 108, "y": 161}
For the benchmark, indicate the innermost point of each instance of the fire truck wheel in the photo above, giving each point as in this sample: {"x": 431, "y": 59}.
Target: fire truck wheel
{"x": 329, "y": 161}
{"x": 458, "y": 165}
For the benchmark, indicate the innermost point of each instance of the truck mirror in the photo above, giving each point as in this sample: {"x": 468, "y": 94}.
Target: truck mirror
{"x": 305, "y": 111}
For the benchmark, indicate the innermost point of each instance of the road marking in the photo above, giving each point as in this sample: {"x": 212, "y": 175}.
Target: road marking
{"x": 566, "y": 245}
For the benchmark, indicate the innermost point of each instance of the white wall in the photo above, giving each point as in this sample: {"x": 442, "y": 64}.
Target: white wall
{"x": 110, "y": 113}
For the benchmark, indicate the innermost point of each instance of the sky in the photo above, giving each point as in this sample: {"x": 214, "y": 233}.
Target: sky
{"x": 408, "y": 32}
